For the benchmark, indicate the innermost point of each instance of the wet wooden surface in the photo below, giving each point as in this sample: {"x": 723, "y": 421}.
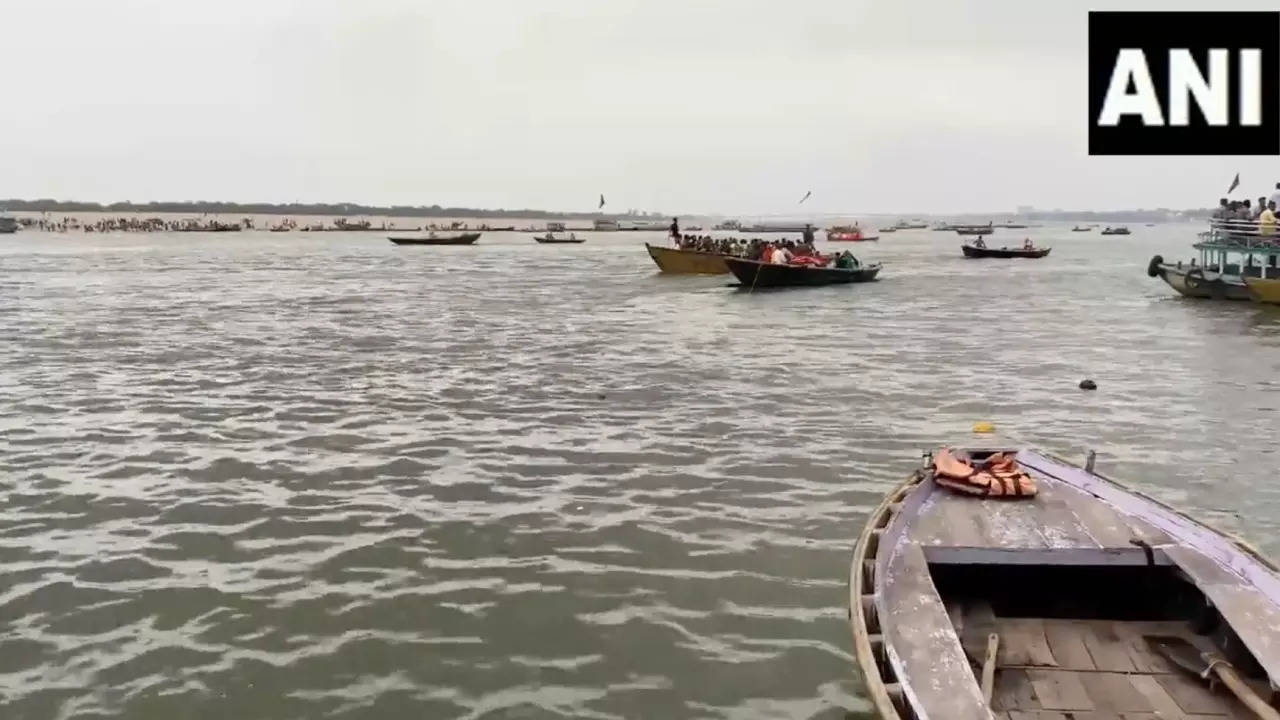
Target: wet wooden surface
{"x": 1049, "y": 668}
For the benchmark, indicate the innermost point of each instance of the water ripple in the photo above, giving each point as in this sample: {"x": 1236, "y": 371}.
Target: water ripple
{"x": 322, "y": 476}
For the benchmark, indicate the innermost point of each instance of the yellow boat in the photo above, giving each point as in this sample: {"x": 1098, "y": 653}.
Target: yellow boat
{"x": 670, "y": 260}
{"x": 1264, "y": 291}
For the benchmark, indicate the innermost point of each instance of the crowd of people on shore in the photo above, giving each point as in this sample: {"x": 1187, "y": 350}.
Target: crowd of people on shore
{"x": 134, "y": 224}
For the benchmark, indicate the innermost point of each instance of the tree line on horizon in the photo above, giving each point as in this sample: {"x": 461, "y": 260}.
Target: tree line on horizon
{"x": 338, "y": 209}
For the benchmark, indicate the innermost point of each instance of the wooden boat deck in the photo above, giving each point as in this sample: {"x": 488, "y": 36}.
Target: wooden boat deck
{"x": 1061, "y": 666}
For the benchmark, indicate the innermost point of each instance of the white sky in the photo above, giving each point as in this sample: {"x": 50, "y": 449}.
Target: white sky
{"x": 733, "y": 106}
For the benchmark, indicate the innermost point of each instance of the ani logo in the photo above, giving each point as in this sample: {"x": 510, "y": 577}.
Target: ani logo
{"x": 1184, "y": 83}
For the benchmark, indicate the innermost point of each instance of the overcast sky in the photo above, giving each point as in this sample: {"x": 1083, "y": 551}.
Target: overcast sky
{"x": 732, "y": 106}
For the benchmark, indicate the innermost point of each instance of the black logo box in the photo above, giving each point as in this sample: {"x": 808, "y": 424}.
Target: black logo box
{"x": 1158, "y": 32}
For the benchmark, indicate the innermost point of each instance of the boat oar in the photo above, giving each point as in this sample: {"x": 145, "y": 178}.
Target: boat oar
{"x": 1208, "y": 666}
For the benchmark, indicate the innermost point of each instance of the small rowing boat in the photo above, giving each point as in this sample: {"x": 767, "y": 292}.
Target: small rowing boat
{"x": 463, "y": 239}
{"x": 848, "y": 233}
{"x": 1006, "y": 583}
{"x": 1077, "y": 228}
{"x": 1122, "y": 230}
{"x": 975, "y": 251}
{"x": 753, "y": 273}
{"x": 686, "y": 262}
{"x": 550, "y": 239}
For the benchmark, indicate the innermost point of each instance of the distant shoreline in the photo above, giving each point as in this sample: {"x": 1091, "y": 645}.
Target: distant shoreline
{"x": 322, "y": 209}
{"x": 425, "y": 212}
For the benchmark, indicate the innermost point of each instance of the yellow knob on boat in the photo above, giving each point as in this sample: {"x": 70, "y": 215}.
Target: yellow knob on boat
{"x": 984, "y": 427}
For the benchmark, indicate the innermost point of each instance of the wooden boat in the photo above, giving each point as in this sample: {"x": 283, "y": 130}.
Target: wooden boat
{"x": 687, "y": 262}
{"x": 1264, "y": 291}
{"x": 1054, "y": 606}
{"x": 845, "y": 233}
{"x": 972, "y": 251}
{"x": 550, "y": 239}
{"x": 1115, "y": 231}
{"x": 463, "y": 239}
{"x": 753, "y": 273}
{"x": 1077, "y": 228}
{"x": 974, "y": 229}
{"x": 889, "y": 229}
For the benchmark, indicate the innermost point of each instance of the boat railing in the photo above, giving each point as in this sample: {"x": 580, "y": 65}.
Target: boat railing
{"x": 1242, "y": 234}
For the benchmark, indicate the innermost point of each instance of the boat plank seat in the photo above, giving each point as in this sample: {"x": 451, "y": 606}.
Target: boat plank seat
{"x": 925, "y": 640}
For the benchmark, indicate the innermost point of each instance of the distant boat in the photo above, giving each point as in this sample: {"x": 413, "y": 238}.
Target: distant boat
{"x": 728, "y": 225}
{"x": 1077, "y": 228}
{"x": 973, "y": 251}
{"x": 550, "y": 239}
{"x": 890, "y": 229}
{"x": 913, "y": 225}
{"x": 776, "y": 228}
{"x": 463, "y": 239}
{"x": 1118, "y": 230}
{"x": 974, "y": 229}
{"x": 848, "y": 233}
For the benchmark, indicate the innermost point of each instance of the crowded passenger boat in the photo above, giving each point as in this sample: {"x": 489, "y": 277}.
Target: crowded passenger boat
{"x": 1237, "y": 260}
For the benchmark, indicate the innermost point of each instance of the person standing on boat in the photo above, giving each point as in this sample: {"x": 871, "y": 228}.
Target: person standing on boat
{"x": 674, "y": 230}
{"x": 1275, "y": 196}
{"x": 808, "y": 234}
{"x": 1267, "y": 220}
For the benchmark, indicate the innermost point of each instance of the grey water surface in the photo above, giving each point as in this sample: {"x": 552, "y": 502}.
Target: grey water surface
{"x": 289, "y": 476}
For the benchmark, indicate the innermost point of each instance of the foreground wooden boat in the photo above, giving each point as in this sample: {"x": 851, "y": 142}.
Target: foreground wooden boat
{"x": 1053, "y": 606}
{"x": 753, "y": 273}
{"x": 463, "y": 239}
{"x": 973, "y": 251}
{"x": 687, "y": 262}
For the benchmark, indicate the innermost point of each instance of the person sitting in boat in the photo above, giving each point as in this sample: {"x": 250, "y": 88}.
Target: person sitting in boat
{"x": 1026, "y": 244}
{"x": 781, "y": 256}
{"x": 572, "y": 236}
{"x": 979, "y": 243}
{"x": 846, "y": 261}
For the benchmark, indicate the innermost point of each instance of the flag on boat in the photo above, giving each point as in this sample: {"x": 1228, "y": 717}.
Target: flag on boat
{"x": 1234, "y": 184}
{"x": 601, "y": 199}
{"x": 806, "y": 197}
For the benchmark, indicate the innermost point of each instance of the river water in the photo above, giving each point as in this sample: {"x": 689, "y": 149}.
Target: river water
{"x": 290, "y": 476}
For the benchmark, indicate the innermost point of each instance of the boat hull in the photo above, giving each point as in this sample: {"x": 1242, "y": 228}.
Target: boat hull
{"x": 1193, "y": 283}
{"x": 1264, "y": 291}
{"x": 752, "y": 273}
{"x": 464, "y": 239}
{"x": 686, "y": 262}
{"x": 559, "y": 241}
{"x": 934, "y": 579}
{"x": 1003, "y": 253}
{"x": 850, "y": 237}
